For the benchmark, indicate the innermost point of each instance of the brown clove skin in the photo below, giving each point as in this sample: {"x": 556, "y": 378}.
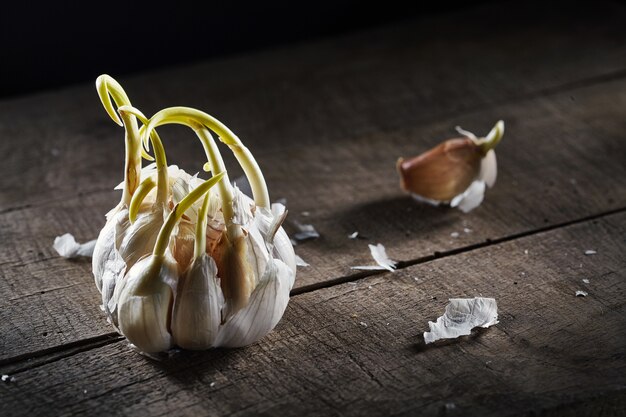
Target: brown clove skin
{"x": 442, "y": 172}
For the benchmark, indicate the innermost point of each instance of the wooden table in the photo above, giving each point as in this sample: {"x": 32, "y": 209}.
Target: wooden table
{"x": 327, "y": 121}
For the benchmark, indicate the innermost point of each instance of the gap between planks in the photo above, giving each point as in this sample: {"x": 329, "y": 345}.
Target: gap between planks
{"x": 59, "y": 352}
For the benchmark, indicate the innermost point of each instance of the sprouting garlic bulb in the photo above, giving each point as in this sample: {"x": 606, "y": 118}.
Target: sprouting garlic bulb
{"x": 179, "y": 262}
{"x": 456, "y": 171}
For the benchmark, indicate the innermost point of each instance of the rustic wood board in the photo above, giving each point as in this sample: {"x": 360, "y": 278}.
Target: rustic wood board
{"x": 562, "y": 160}
{"x": 397, "y": 77}
{"x": 556, "y": 142}
{"x": 327, "y": 120}
{"x": 551, "y": 354}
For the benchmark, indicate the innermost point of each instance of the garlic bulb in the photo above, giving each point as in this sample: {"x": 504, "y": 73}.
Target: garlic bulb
{"x": 455, "y": 171}
{"x": 179, "y": 262}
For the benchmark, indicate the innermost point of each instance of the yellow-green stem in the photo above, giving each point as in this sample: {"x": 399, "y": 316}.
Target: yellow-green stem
{"x": 140, "y": 194}
{"x": 183, "y": 115}
{"x": 217, "y": 166}
{"x": 200, "y": 244}
{"x": 159, "y": 153}
{"x": 178, "y": 211}
{"x": 108, "y": 88}
{"x": 132, "y": 163}
{"x": 493, "y": 138}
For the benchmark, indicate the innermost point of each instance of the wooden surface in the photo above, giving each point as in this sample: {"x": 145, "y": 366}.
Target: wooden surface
{"x": 327, "y": 120}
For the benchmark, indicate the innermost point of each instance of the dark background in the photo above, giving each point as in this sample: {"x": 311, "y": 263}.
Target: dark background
{"x": 47, "y": 45}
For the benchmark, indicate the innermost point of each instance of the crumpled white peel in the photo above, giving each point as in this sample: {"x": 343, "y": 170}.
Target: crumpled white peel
{"x": 380, "y": 256}
{"x": 461, "y": 316}
{"x": 67, "y": 246}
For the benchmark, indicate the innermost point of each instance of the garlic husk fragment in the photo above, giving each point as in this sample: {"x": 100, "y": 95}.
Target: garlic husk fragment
{"x": 67, "y": 247}
{"x": 197, "y": 310}
{"x": 145, "y": 303}
{"x": 461, "y": 316}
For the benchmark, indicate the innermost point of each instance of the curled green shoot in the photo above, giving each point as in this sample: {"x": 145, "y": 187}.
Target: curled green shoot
{"x": 178, "y": 211}
{"x": 200, "y": 243}
{"x": 214, "y": 157}
{"x": 217, "y": 164}
{"x": 493, "y": 138}
{"x": 186, "y": 115}
{"x": 159, "y": 155}
{"x": 140, "y": 194}
{"x": 108, "y": 88}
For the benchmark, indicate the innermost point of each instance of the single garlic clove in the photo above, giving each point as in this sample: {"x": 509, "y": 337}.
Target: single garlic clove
{"x": 145, "y": 303}
{"x": 236, "y": 276}
{"x": 443, "y": 172}
{"x": 265, "y": 309}
{"x": 197, "y": 310}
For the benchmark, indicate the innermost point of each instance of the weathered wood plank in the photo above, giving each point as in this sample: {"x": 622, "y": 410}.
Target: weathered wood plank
{"x": 550, "y": 352}
{"x": 348, "y": 137}
{"x": 319, "y": 93}
{"x": 551, "y": 142}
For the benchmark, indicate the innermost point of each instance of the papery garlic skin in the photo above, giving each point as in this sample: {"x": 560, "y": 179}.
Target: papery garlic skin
{"x": 105, "y": 249}
{"x": 282, "y": 247}
{"x": 145, "y": 303}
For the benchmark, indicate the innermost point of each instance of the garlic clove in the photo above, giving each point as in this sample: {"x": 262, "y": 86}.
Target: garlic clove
{"x": 236, "y": 275}
{"x": 265, "y": 309}
{"x": 145, "y": 303}
{"x": 197, "y": 309}
{"x": 443, "y": 172}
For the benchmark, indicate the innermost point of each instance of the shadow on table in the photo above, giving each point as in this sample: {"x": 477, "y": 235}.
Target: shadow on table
{"x": 400, "y": 213}
{"x": 188, "y": 367}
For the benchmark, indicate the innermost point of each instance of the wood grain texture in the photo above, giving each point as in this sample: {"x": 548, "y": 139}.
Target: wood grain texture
{"x": 330, "y": 91}
{"x": 561, "y": 161}
{"x": 327, "y": 132}
{"x": 551, "y": 353}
